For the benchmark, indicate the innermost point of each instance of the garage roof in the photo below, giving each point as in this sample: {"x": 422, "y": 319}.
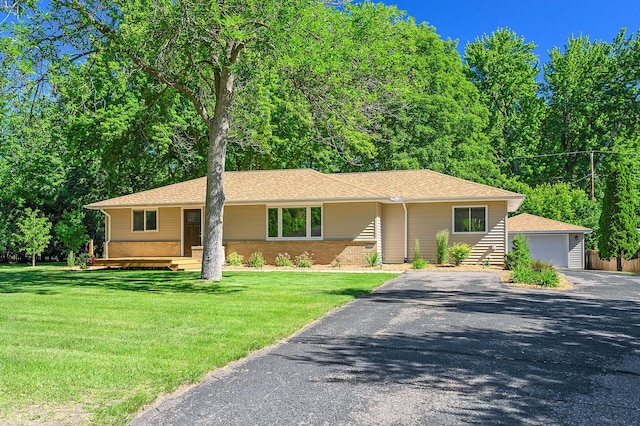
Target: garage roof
{"x": 528, "y": 223}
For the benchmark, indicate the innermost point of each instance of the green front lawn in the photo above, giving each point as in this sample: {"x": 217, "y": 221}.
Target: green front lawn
{"x": 94, "y": 346}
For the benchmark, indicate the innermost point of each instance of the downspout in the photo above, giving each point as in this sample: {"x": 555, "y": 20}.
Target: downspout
{"x": 406, "y": 225}
{"x": 406, "y": 232}
{"x": 107, "y": 233}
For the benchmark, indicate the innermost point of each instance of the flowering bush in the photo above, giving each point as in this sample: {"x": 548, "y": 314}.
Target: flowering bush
{"x": 234, "y": 259}
{"x": 283, "y": 259}
{"x": 304, "y": 260}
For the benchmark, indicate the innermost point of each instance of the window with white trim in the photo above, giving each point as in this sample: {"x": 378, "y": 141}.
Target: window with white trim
{"x": 144, "y": 220}
{"x": 290, "y": 223}
{"x": 471, "y": 219}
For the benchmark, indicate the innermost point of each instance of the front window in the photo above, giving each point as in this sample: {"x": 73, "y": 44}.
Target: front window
{"x": 470, "y": 219}
{"x": 145, "y": 220}
{"x": 294, "y": 222}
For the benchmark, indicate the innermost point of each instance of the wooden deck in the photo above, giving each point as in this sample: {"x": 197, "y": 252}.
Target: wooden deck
{"x": 172, "y": 263}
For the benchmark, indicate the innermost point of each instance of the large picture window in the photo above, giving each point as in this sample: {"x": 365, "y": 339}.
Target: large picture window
{"x": 470, "y": 219}
{"x": 145, "y": 220}
{"x": 294, "y": 222}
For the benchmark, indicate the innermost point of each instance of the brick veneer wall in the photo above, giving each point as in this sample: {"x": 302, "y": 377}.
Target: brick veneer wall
{"x": 322, "y": 252}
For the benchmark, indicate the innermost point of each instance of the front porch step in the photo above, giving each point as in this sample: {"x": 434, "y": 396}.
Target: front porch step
{"x": 186, "y": 264}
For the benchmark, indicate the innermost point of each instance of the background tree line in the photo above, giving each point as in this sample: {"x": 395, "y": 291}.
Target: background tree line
{"x": 356, "y": 87}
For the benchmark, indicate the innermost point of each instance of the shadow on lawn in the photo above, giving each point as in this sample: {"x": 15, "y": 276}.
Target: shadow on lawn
{"x": 512, "y": 357}
{"x": 50, "y": 281}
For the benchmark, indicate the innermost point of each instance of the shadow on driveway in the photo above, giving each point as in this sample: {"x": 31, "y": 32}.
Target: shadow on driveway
{"x": 447, "y": 349}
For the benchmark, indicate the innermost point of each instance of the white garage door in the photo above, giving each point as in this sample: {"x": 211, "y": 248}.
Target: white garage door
{"x": 552, "y": 248}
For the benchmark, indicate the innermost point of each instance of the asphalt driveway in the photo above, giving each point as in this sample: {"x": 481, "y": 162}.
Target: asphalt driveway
{"x": 441, "y": 348}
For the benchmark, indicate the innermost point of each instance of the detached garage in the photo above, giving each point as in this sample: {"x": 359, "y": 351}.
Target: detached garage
{"x": 550, "y": 240}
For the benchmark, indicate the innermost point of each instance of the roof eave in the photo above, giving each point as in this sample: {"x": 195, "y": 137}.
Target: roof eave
{"x": 557, "y": 231}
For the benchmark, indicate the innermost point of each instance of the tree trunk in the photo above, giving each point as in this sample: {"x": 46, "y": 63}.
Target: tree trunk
{"x": 619, "y": 262}
{"x": 218, "y": 127}
{"x": 33, "y": 260}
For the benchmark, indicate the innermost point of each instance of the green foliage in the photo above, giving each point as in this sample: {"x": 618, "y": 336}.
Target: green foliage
{"x": 71, "y": 230}
{"x": 419, "y": 263}
{"x": 416, "y": 249}
{"x": 442, "y": 243}
{"x": 519, "y": 254}
{"x": 283, "y": 259}
{"x": 459, "y": 252}
{"x": 71, "y": 260}
{"x": 504, "y": 68}
{"x": 372, "y": 259}
{"x": 34, "y": 233}
{"x": 256, "y": 260}
{"x": 234, "y": 259}
{"x": 545, "y": 276}
{"x": 619, "y": 219}
{"x": 83, "y": 261}
{"x": 304, "y": 260}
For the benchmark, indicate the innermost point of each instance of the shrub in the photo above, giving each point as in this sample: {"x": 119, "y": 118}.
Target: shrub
{"x": 234, "y": 259}
{"x": 519, "y": 255}
{"x": 337, "y": 262}
{"x": 419, "y": 263}
{"x": 256, "y": 260}
{"x": 459, "y": 252}
{"x": 442, "y": 243}
{"x": 283, "y": 259}
{"x": 545, "y": 275}
{"x": 372, "y": 259}
{"x": 84, "y": 261}
{"x": 304, "y": 260}
{"x": 539, "y": 266}
{"x": 71, "y": 260}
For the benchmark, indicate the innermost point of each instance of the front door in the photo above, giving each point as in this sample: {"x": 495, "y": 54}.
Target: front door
{"x": 192, "y": 230}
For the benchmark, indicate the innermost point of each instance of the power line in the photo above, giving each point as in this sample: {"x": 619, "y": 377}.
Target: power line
{"x": 557, "y": 154}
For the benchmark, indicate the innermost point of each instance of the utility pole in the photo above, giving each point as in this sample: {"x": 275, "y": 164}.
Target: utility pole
{"x": 592, "y": 173}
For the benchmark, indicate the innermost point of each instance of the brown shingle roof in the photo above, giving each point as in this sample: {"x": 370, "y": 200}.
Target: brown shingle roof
{"x": 526, "y": 222}
{"x": 309, "y": 185}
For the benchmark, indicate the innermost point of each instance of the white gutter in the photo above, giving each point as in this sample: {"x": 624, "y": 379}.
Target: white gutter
{"x": 107, "y": 233}
{"x": 406, "y": 225}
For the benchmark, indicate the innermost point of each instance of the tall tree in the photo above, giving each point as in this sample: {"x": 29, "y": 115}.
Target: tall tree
{"x": 504, "y": 68}
{"x": 619, "y": 221}
{"x": 192, "y": 47}
{"x": 33, "y": 233}
{"x": 592, "y": 90}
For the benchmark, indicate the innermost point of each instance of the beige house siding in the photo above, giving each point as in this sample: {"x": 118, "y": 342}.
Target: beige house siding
{"x": 425, "y": 220}
{"x": 392, "y": 233}
{"x": 576, "y": 251}
{"x": 245, "y": 223}
{"x": 169, "y": 222}
{"x": 350, "y": 221}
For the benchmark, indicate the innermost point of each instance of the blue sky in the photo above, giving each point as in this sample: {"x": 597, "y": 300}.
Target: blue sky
{"x": 547, "y": 23}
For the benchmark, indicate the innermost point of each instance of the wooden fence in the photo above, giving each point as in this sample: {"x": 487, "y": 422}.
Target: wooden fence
{"x": 594, "y": 262}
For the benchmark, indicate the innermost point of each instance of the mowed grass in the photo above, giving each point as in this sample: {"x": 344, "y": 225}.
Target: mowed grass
{"x": 95, "y": 346}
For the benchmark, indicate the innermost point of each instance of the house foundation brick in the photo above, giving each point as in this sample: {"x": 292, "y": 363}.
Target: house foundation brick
{"x": 322, "y": 252}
